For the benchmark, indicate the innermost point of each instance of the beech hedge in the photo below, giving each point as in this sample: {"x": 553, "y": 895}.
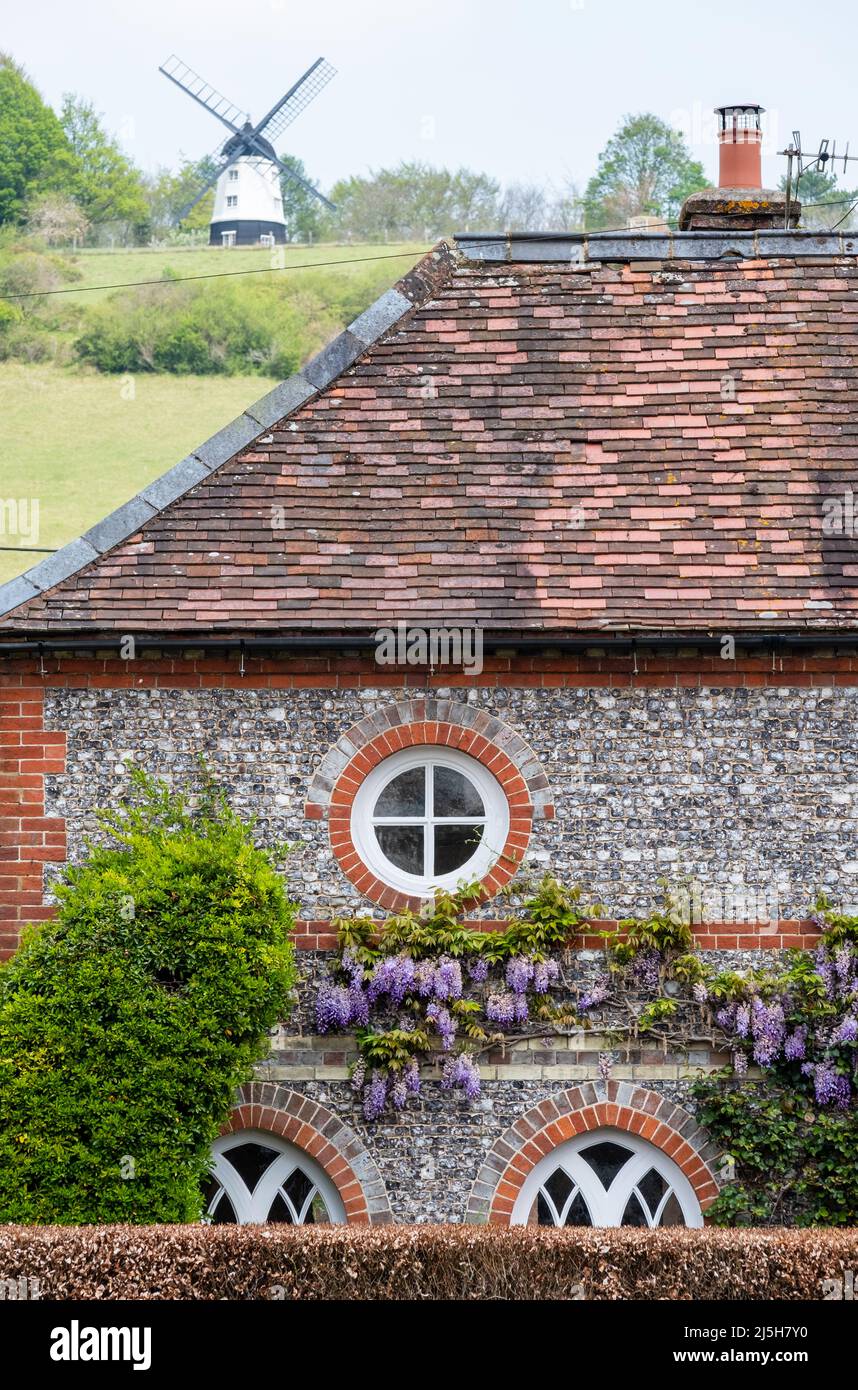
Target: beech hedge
{"x": 422, "y": 1262}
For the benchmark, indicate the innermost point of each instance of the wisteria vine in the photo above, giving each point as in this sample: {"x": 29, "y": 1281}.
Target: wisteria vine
{"x": 425, "y": 985}
{"x": 429, "y": 984}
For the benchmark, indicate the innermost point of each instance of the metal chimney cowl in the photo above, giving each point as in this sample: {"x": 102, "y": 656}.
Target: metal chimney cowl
{"x": 739, "y": 203}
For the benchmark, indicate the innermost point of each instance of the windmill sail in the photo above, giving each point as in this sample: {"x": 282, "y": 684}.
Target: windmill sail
{"x": 203, "y": 92}
{"x": 305, "y": 90}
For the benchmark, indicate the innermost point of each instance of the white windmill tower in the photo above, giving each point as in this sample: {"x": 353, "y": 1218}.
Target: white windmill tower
{"x": 248, "y": 206}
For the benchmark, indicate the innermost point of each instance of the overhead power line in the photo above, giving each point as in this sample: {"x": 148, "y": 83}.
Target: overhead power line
{"x": 209, "y": 275}
{"x": 356, "y": 260}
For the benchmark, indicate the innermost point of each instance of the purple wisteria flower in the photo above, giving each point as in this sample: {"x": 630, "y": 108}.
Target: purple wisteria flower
{"x": 478, "y": 969}
{"x": 358, "y": 1075}
{"x": 606, "y": 1064}
{"x": 399, "y": 1092}
{"x": 743, "y": 1020}
{"x": 740, "y": 1063}
{"x": 795, "y": 1046}
{"x": 594, "y": 996}
{"x": 393, "y": 976}
{"x": 333, "y": 1007}
{"x": 545, "y": 974}
{"x": 424, "y": 978}
{"x": 767, "y": 1022}
{"x": 848, "y": 1030}
{"x": 462, "y": 1071}
{"x": 825, "y": 968}
{"x": 645, "y": 969}
{"x": 519, "y": 973}
{"x": 352, "y": 967}
{"x": 444, "y": 1022}
{"x": 374, "y": 1096}
{"x": 699, "y": 992}
{"x": 358, "y": 1005}
{"x": 448, "y": 979}
{"x": 843, "y": 961}
{"x": 726, "y": 1018}
{"x": 411, "y": 1072}
{"x": 830, "y": 1087}
{"x": 500, "y": 1008}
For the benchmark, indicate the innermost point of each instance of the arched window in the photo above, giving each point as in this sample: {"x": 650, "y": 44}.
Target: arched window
{"x": 607, "y": 1178}
{"x": 256, "y": 1177}
{"x": 429, "y": 818}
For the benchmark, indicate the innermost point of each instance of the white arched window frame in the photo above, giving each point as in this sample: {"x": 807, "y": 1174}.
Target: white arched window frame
{"x": 606, "y": 1205}
{"x": 252, "y": 1204}
{"x": 486, "y": 828}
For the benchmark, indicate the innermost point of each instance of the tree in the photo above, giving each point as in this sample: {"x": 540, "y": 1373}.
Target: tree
{"x": 168, "y": 195}
{"x": 414, "y": 202}
{"x": 529, "y": 207}
{"x": 524, "y": 207}
{"x": 107, "y": 185}
{"x": 56, "y": 219}
{"x": 304, "y": 220}
{"x": 34, "y": 153}
{"x": 644, "y": 169}
{"x": 127, "y": 1024}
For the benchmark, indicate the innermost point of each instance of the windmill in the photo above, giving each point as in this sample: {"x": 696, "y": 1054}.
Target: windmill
{"x": 248, "y": 207}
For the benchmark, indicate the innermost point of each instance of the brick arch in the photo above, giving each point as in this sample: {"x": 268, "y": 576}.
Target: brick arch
{"x": 590, "y": 1107}
{"x": 436, "y": 723}
{"x": 325, "y": 1137}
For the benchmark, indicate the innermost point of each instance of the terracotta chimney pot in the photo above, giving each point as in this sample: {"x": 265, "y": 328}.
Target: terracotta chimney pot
{"x": 739, "y": 203}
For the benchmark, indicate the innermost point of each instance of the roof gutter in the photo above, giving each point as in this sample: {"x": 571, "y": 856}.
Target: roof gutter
{"x": 493, "y": 642}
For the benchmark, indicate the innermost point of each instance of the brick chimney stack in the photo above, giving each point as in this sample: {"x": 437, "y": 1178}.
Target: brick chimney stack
{"x": 739, "y": 203}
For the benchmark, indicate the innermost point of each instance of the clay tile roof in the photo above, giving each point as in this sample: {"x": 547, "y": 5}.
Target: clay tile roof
{"x": 629, "y": 435}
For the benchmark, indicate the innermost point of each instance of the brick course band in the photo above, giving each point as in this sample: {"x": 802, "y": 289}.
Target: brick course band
{"x": 323, "y": 1135}
{"x": 597, "y": 667}
{"x": 321, "y": 935}
{"x": 434, "y": 723}
{"x": 618, "y": 1104}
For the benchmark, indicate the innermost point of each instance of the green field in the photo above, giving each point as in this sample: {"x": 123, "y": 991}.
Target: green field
{"x": 106, "y": 268}
{"x": 72, "y": 438}
{"x": 72, "y": 441}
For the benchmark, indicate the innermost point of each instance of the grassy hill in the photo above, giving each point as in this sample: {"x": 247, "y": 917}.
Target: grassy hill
{"x": 82, "y": 442}
{"x": 105, "y": 268}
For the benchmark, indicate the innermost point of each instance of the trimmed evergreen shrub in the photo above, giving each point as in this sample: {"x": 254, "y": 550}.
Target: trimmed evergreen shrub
{"x": 127, "y": 1023}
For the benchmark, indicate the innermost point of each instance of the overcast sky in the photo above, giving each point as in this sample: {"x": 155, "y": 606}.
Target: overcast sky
{"x": 526, "y": 90}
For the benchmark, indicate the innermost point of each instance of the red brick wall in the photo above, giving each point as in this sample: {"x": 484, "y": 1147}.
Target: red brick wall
{"x": 28, "y": 838}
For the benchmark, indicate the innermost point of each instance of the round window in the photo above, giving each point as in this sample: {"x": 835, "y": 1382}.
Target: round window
{"x": 429, "y": 818}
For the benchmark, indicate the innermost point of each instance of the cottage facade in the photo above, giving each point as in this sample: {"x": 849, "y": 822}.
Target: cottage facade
{"x": 626, "y": 462}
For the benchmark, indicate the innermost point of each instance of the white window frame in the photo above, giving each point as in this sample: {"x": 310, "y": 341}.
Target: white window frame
{"x": 485, "y": 856}
{"x": 232, "y": 200}
{"x": 606, "y": 1208}
{"x": 251, "y": 1208}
